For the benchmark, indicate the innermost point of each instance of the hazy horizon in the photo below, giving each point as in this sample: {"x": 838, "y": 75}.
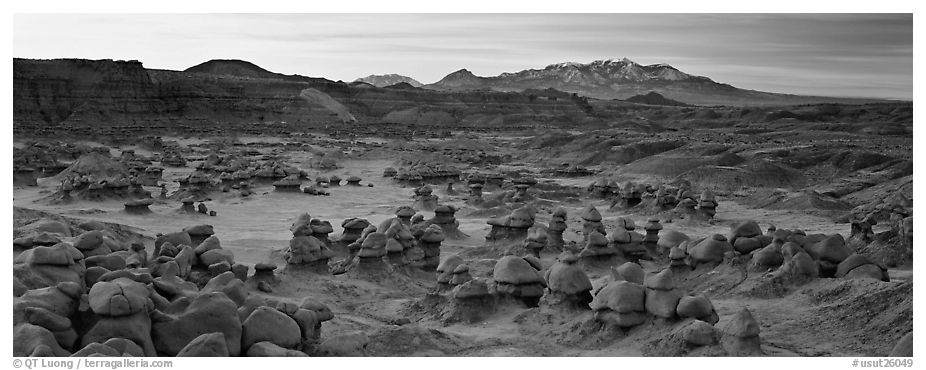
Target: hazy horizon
{"x": 844, "y": 55}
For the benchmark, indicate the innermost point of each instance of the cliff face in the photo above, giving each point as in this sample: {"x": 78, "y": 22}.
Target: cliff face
{"x": 54, "y": 91}
{"x": 84, "y": 96}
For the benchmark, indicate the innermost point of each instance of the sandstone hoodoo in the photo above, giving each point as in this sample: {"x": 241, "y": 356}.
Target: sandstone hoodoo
{"x": 445, "y": 271}
{"x": 353, "y": 181}
{"x": 372, "y": 251}
{"x": 187, "y": 205}
{"x": 404, "y": 214}
{"x": 197, "y": 185}
{"x": 626, "y": 242}
{"x": 665, "y": 199}
{"x": 521, "y": 187}
{"x": 320, "y": 230}
{"x": 138, "y": 206}
{"x": 602, "y": 188}
{"x": 620, "y": 304}
{"x": 651, "y": 239}
{"x": 475, "y": 194}
{"x": 662, "y": 297}
{"x": 535, "y": 242}
{"x": 305, "y": 251}
{"x": 555, "y": 230}
{"x": 741, "y": 335}
{"x": 288, "y": 184}
{"x": 510, "y": 229}
{"x": 401, "y": 248}
{"x": 353, "y": 227}
{"x": 707, "y": 204}
{"x": 631, "y": 194}
{"x": 199, "y": 233}
{"x": 567, "y": 283}
{"x": 592, "y": 222}
{"x": 151, "y": 176}
{"x": 430, "y": 242}
{"x": 424, "y": 199}
{"x": 597, "y": 252}
{"x": 122, "y": 306}
{"x": 445, "y": 219}
{"x": 517, "y": 279}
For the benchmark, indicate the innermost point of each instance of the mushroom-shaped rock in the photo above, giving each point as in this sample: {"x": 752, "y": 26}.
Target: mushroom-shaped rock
{"x": 198, "y": 233}
{"x": 521, "y": 218}
{"x": 661, "y": 296}
{"x": 445, "y": 270}
{"x": 353, "y": 228}
{"x": 302, "y": 225}
{"x": 596, "y": 248}
{"x": 652, "y": 228}
{"x": 374, "y": 245}
{"x": 405, "y": 212}
{"x": 460, "y": 275}
{"x": 515, "y": 276}
{"x": 567, "y": 282}
{"x": 591, "y": 213}
{"x": 620, "y": 303}
{"x": 741, "y": 335}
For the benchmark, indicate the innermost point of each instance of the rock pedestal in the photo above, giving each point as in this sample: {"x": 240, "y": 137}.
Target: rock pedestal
{"x": 430, "y": 242}
{"x": 591, "y": 222}
{"x": 424, "y": 199}
{"x": 707, "y": 204}
{"x": 516, "y": 278}
{"x": 555, "y": 231}
{"x": 139, "y": 206}
{"x": 511, "y": 228}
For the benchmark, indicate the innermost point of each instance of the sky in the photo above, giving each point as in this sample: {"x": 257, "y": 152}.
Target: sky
{"x": 851, "y": 55}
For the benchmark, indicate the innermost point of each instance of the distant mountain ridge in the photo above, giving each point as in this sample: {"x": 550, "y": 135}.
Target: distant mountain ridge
{"x": 622, "y": 79}
{"x": 655, "y": 99}
{"x": 388, "y": 80}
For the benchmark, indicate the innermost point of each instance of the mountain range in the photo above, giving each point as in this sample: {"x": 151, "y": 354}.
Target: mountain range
{"x": 624, "y": 78}
{"x": 388, "y": 80}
